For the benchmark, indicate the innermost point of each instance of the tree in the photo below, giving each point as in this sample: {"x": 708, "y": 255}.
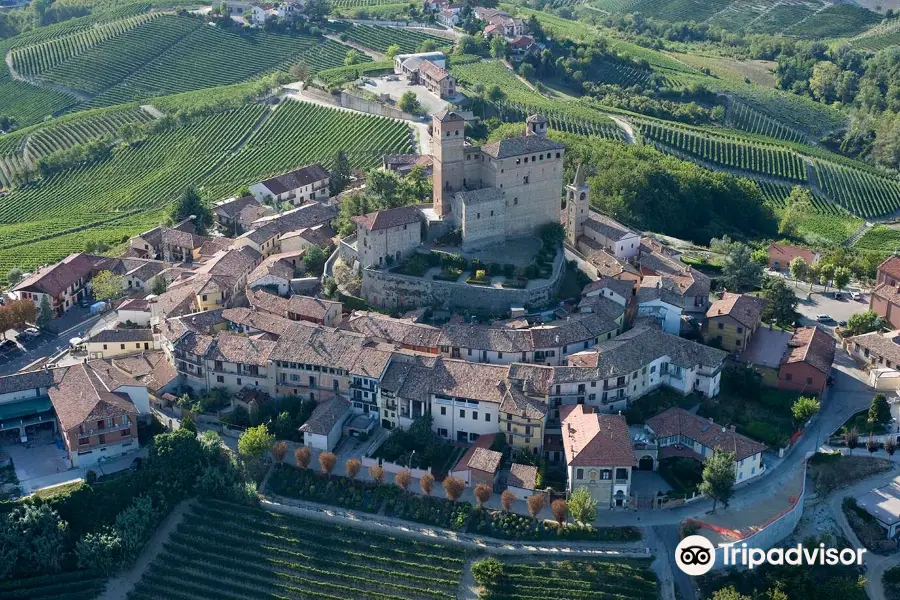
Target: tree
{"x": 799, "y": 269}
{"x": 826, "y": 274}
{"x": 352, "y": 466}
{"x": 560, "y": 510}
{"x": 804, "y": 408}
{"x": 188, "y": 204}
{"x": 327, "y": 461}
{"x": 32, "y": 541}
{"x": 392, "y": 51}
{"x": 851, "y": 439}
{"x": 740, "y": 272}
{"x": 841, "y": 277}
{"x": 133, "y": 526}
{"x": 45, "y": 313}
{"x": 101, "y": 550}
{"x": 279, "y": 451}
{"x": 300, "y": 71}
{"x": 314, "y": 260}
{"x": 535, "y": 505}
{"x": 729, "y": 593}
{"x": 823, "y": 83}
{"x": 582, "y": 505}
{"x": 255, "y": 441}
{"x": 403, "y": 479}
{"x": 377, "y": 473}
{"x": 316, "y": 10}
{"x": 487, "y": 572}
{"x": 482, "y": 493}
{"x": 409, "y": 103}
{"x": 466, "y": 44}
{"x": 498, "y": 47}
{"x": 495, "y": 94}
{"x": 129, "y": 132}
{"x": 718, "y": 478}
{"x": 864, "y": 322}
{"x": 187, "y": 423}
{"x": 507, "y": 499}
{"x": 453, "y": 487}
{"x": 798, "y": 204}
{"x": 879, "y": 411}
{"x": 107, "y": 285}
{"x": 14, "y": 276}
{"x": 871, "y": 445}
{"x": 339, "y": 176}
{"x": 527, "y": 71}
{"x": 302, "y": 456}
{"x": 890, "y": 446}
{"x": 781, "y": 302}
{"x": 353, "y": 57}
{"x": 159, "y": 285}
{"x": 426, "y": 483}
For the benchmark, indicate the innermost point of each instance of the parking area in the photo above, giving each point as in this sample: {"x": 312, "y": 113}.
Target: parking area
{"x": 395, "y": 90}
{"x": 39, "y": 462}
{"x": 838, "y": 310}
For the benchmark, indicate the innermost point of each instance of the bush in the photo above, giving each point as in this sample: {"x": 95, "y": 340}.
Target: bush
{"x": 487, "y": 572}
{"x": 765, "y": 433}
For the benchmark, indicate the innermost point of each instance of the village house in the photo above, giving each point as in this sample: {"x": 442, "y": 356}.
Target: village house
{"x": 119, "y": 342}
{"x": 479, "y": 465}
{"x": 806, "y": 364}
{"x": 598, "y": 455}
{"x": 63, "y": 285}
{"x": 732, "y": 321}
{"x": 134, "y": 312}
{"x": 302, "y": 185}
{"x": 387, "y": 236}
{"x": 522, "y": 480}
{"x": 885, "y": 298}
{"x": 781, "y": 255}
{"x": 684, "y": 434}
{"x": 298, "y": 308}
{"x": 436, "y": 79}
{"x": 229, "y": 213}
{"x": 322, "y": 431}
{"x": 170, "y": 244}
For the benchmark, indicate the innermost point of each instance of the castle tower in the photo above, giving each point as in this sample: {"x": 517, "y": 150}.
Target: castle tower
{"x": 577, "y": 207}
{"x": 536, "y": 125}
{"x": 448, "y": 135}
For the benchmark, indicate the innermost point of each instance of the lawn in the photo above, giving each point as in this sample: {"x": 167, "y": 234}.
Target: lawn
{"x": 833, "y": 471}
{"x": 222, "y": 550}
{"x": 587, "y": 579}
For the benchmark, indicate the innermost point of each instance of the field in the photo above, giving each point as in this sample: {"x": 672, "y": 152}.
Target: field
{"x": 75, "y": 585}
{"x": 223, "y": 550}
{"x": 728, "y": 151}
{"x": 862, "y": 193}
{"x": 571, "y": 579}
{"x": 380, "y": 38}
{"x": 27, "y": 104}
{"x": 300, "y": 133}
{"x": 879, "y": 238}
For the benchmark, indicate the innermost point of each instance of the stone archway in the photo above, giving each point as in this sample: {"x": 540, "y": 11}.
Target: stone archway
{"x": 645, "y": 463}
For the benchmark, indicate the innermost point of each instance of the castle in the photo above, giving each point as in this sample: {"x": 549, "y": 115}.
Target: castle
{"x": 497, "y": 191}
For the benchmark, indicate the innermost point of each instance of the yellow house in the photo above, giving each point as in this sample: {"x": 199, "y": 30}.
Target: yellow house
{"x": 119, "y": 342}
{"x": 522, "y": 420}
{"x": 732, "y": 321}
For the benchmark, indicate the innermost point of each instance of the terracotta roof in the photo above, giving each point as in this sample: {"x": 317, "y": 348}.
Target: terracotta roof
{"x": 523, "y": 41}
{"x": 325, "y": 416}
{"x": 517, "y": 402}
{"x": 473, "y": 197}
{"x": 241, "y": 349}
{"x": 743, "y": 308}
{"x": 398, "y": 331}
{"x": 315, "y": 345}
{"x": 432, "y": 70}
{"x": 623, "y": 287}
{"x": 232, "y": 207}
{"x": 485, "y": 460}
{"x": 595, "y": 439}
{"x": 385, "y": 219}
{"x": 483, "y": 442}
{"x": 811, "y": 345}
{"x": 522, "y": 476}
{"x": 607, "y": 227}
{"x": 784, "y": 254}
{"x": 677, "y": 421}
{"x": 81, "y": 396}
{"x": 257, "y": 319}
{"x": 886, "y": 345}
{"x": 28, "y": 380}
{"x": 314, "y": 308}
{"x": 55, "y": 279}
{"x": 887, "y": 292}
{"x": 448, "y": 116}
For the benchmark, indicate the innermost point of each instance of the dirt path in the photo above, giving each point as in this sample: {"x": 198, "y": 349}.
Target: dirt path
{"x": 625, "y": 126}
{"x": 118, "y": 587}
{"x": 82, "y": 96}
{"x": 468, "y": 589}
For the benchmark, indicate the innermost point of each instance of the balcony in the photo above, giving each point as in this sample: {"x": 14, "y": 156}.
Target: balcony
{"x": 622, "y": 481}
{"x": 103, "y": 430}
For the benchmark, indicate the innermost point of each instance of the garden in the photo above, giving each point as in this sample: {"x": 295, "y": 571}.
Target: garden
{"x": 574, "y": 579}
{"x": 683, "y": 474}
{"x": 512, "y": 526}
{"x": 227, "y": 550}
{"x": 419, "y": 447}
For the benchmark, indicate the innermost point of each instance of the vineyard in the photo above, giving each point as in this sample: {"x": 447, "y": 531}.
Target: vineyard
{"x": 74, "y": 585}
{"x": 49, "y": 32}
{"x": 613, "y": 73}
{"x": 300, "y": 133}
{"x": 380, "y": 38}
{"x": 880, "y": 238}
{"x": 582, "y": 579}
{"x": 561, "y": 119}
{"x": 746, "y": 118}
{"x": 727, "y": 151}
{"x": 27, "y": 104}
{"x": 862, "y": 193}
{"x": 35, "y": 59}
{"x": 338, "y": 75}
{"x": 223, "y": 550}
{"x": 65, "y": 135}
{"x": 776, "y": 195}
{"x": 835, "y": 21}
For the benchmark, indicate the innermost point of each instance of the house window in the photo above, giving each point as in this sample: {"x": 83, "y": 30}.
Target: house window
{"x": 721, "y": 325}
{"x": 442, "y": 432}
{"x": 740, "y": 330}
{"x": 220, "y": 379}
{"x": 126, "y": 432}
{"x": 462, "y": 414}
{"x": 84, "y": 441}
{"x": 579, "y": 474}
{"x": 104, "y": 346}
{"x": 606, "y": 474}
{"x": 737, "y": 342}
{"x": 487, "y": 417}
{"x": 443, "y": 411}
{"x": 121, "y": 346}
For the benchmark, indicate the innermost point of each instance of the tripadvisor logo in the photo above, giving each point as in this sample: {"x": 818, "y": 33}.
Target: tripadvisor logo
{"x": 696, "y": 555}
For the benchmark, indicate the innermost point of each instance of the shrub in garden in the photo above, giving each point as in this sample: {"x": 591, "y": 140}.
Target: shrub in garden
{"x": 302, "y": 456}
{"x": 426, "y": 482}
{"x": 353, "y": 465}
{"x": 279, "y": 451}
{"x": 454, "y": 488}
{"x": 327, "y": 461}
{"x": 535, "y": 505}
{"x": 377, "y": 473}
{"x": 482, "y": 493}
{"x": 487, "y": 572}
{"x": 582, "y": 505}
{"x": 402, "y": 479}
{"x": 560, "y": 510}
{"x": 507, "y": 499}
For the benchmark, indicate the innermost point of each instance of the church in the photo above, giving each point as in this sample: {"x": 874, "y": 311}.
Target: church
{"x": 500, "y": 190}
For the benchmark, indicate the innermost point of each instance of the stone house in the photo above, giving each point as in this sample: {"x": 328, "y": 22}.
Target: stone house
{"x": 387, "y": 236}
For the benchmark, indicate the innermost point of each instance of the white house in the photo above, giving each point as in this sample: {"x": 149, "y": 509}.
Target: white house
{"x": 134, "y": 311}
{"x": 658, "y": 298}
{"x": 302, "y": 185}
{"x": 323, "y": 429}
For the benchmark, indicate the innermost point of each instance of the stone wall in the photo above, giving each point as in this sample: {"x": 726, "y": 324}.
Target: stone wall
{"x": 354, "y": 102}
{"x": 384, "y": 289}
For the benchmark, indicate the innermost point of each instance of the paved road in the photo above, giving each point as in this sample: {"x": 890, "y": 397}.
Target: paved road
{"x": 670, "y": 535}
{"x": 47, "y": 344}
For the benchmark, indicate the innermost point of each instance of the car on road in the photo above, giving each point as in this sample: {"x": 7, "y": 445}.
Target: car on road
{"x": 7, "y": 345}
{"x": 824, "y": 318}
{"x": 28, "y": 334}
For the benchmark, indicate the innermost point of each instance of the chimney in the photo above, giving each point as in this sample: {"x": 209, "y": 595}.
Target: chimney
{"x": 723, "y": 429}
{"x": 710, "y": 420}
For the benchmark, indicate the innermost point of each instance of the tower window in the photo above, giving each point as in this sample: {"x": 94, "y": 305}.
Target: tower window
{"x": 477, "y": 215}
{"x": 526, "y": 160}
{"x": 515, "y": 201}
{"x": 457, "y": 132}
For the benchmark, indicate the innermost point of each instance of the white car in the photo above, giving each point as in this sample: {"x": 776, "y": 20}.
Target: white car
{"x": 823, "y": 318}
{"x": 856, "y": 296}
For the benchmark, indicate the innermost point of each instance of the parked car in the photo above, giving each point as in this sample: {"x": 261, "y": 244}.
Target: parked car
{"x": 838, "y": 296}
{"x": 7, "y": 345}
{"x": 856, "y": 296}
{"x": 842, "y": 323}
{"x": 824, "y": 318}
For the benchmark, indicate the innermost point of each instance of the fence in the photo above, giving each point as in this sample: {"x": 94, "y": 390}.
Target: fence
{"x": 390, "y": 467}
{"x": 354, "y": 102}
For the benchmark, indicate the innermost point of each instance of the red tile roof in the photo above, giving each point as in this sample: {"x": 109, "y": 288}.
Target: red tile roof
{"x": 785, "y": 254}
{"x": 813, "y": 346}
{"x": 890, "y": 266}
{"x": 385, "y": 219}
{"x": 677, "y": 421}
{"x": 595, "y": 439}
{"x": 743, "y": 308}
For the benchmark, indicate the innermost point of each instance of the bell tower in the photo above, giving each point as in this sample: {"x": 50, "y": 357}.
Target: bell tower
{"x": 448, "y": 136}
{"x": 577, "y": 207}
